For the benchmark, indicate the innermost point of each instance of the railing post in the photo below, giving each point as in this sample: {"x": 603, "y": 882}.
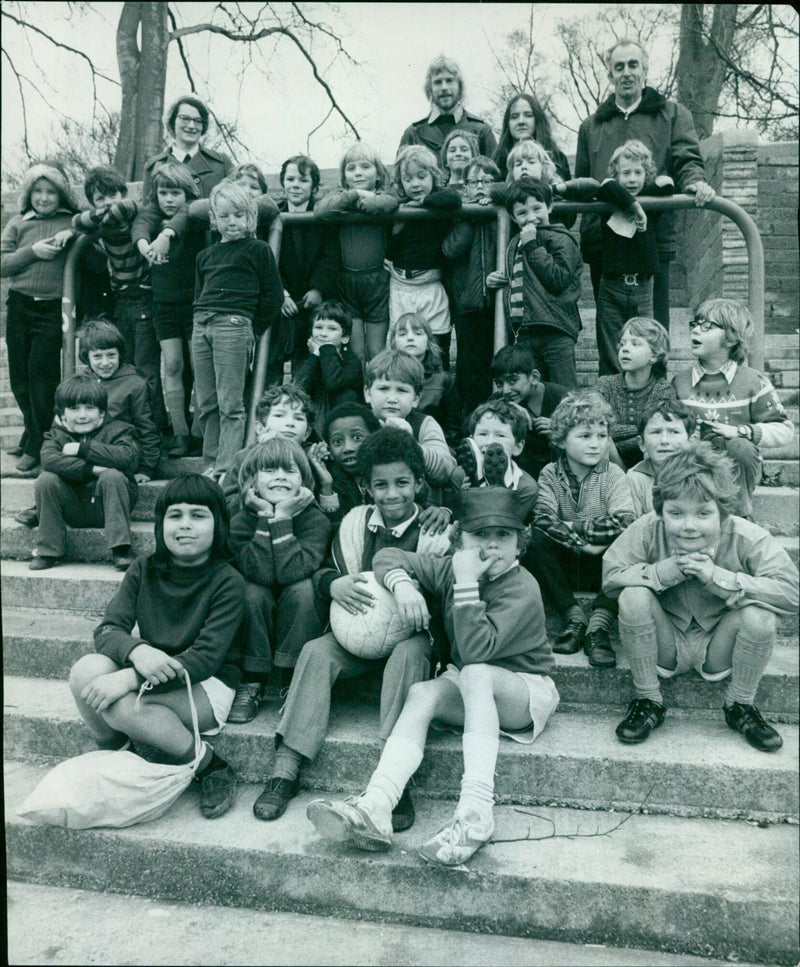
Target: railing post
{"x": 503, "y": 229}
{"x": 69, "y": 304}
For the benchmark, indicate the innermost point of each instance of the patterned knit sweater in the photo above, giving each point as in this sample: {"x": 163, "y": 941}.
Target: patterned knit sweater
{"x": 629, "y": 404}
{"x": 736, "y": 395}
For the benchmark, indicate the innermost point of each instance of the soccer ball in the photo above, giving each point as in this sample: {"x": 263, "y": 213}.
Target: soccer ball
{"x": 374, "y": 633}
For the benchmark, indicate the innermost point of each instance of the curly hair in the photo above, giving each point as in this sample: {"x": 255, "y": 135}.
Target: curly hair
{"x": 633, "y": 151}
{"x": 350, "y": 410}
{"x": 512, "y": 414}
{"x": 391, "y": 445}
{"x": 669, "y": 410}
{"x": 585, "y": 406}
{"x": 293, "y": 394}
{"x": 698, "y": 472}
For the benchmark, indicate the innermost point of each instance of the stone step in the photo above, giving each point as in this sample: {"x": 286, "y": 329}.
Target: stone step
{"x": 781, "y": 473}
{"x": 777, "y": 509}
{"x": 693, "y": 765}
{"x": 18, "y": 493}
{"x": 84, "y": 544}
{"x": 55, "y": 589}
{"x": 720, "y": 888}
{"x": 167, "y": 467}
{"x": 46, "y": 644}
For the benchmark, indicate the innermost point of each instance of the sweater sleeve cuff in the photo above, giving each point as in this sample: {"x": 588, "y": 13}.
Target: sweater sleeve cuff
{"x": 83, "y": 450}
{"x": 394, "y": 577}
{"x": 329, "y": 503}
{"x": 465, "y": 594}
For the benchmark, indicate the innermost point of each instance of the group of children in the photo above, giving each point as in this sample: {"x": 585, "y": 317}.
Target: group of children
{"x": 468, "y": 505}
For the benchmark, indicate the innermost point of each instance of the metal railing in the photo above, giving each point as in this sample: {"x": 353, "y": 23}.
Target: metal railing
{"x": 755, "y": 258}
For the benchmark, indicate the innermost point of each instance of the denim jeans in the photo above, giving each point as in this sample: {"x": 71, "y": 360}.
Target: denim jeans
{"x": 278, "y": 622}
{"x": 133, "y": 316}
{"x": 222, "y": 346}
{"x": 554, "y": 352}
{"x": 33, "y": 337}
{"x": 617, "y": 302}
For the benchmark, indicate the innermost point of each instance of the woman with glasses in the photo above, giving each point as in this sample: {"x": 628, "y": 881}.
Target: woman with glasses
{"x": 186, "y": 123}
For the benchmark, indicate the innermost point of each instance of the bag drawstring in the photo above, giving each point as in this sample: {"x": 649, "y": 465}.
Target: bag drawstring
{"x": 198, "y": 742}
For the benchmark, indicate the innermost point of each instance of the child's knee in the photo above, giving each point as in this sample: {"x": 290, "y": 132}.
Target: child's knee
{"x": 47, "y": 482}
{"x": 86, "y": 669}
{"x": 299, "y": 595}
{"x": 758, "y": 623}
{"x": 112, "y": 479}
{"x": 475, "y": 678}
{"x": 422, "y": 698}
{"x": 636, "y": 605}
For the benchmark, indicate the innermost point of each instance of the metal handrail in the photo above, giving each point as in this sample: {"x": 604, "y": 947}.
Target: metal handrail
{"x": 755, "y": 257}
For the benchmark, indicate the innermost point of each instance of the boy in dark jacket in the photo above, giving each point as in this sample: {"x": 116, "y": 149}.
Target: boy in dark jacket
{"x": 88, "y": 463}
{"x": 542, "y": 282}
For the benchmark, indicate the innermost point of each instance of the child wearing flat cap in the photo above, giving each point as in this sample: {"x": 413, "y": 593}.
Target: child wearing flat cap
{"x": 498, "y": 682}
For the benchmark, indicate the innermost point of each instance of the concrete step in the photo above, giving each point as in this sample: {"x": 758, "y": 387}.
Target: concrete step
{"x": 46, "y": 644}
{"x": 167, "y": 467}
{"x": 55, "y": 590}
{"x": 720, "y": 888}
{"x": 84, "y": 544}
{"x": 694, "y": 765}
{"x": 781, "y": 473}
{"x": 777, "y": 509}
{"x": 18, "y": 493}
{"x": 79, "y": 921}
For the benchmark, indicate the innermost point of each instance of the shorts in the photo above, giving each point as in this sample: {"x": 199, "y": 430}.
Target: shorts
{"x": 691, "y": 647}
{"x": 424, "y": 294}
{"x": 220, "y": 697}
{"x": 366, "y": 295}
{"x": 173, "y": 320}
{"x": 543, "y": 699}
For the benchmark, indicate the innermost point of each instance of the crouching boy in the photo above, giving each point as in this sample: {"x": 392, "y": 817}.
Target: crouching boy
{"x": 498, "y": 683}
{"x": 87, "y": 478}
{"x": 698, "y": 589}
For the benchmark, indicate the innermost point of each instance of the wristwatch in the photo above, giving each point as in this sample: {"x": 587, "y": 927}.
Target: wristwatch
{"x": 746, "y": 431}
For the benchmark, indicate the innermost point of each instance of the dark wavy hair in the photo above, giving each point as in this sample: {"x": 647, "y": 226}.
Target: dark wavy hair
{"x": 698, "y": 472}
{"x": 195, "y": 102}
{"x": 80, "y": 388}
{"x": 193, "y": 488}
{"x": 541, "y": 131}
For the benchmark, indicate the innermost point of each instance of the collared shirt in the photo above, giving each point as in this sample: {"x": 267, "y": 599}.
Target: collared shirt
{"x": 457, "y": 113}
{"x": 627, "y": 111}
{"x": 728, "y": 370}
{"x": 32, "y": 214}
{"x": 183, "y": 155}
{"x": 376, "y": 523}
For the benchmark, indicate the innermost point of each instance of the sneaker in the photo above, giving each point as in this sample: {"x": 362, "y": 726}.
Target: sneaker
{"x": 245, "y": 704}
{"x": 468, "y": 461}
{"x": 272, "y": 802}
{"x": 28, "y": 517}
{"x": 750, "y": 722}
{"x": 27, "y": 463}
{"x": 495, "y": 464}
{"x": 350, "y": 822}
{"x": 403, "y": 814}
{"x": 42, "y": 562}
{"x": 643, "y": 716}
{"x": 122, "y": 557}
{"x": 598, "y": 649}
{"x": 570, "y": 640}
{"x": 460, "y": 840}
{"x": 217, "y": 791}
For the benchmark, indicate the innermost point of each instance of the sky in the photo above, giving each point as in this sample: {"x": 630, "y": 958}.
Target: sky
{"x": 392, "y": 44}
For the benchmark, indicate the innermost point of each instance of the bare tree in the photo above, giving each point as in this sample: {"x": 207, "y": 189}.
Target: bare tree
{"x": 521, "y": 68}
{"x": 144, "y": 34}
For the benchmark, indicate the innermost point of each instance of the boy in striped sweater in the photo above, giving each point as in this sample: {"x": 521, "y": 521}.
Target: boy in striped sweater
{"x": 736, "y": 407}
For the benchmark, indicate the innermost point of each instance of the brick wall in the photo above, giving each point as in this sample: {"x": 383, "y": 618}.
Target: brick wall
{"x": 777, "y": 223}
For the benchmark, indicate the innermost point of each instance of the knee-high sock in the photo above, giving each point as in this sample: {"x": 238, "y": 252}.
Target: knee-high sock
{"x": 175, "y": 402}
{"x": 399, "y": 761}
{"x": 641, "y": 647}
{"x": 477, "y": 783}
{"x": 748, "y": 662}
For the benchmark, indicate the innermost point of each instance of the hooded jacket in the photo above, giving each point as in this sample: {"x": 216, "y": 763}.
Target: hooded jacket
{"x": 129, "y": 402}
{"x": 668, "y": 131}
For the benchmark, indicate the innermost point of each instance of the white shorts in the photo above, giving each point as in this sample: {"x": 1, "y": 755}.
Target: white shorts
{"x": 543, "y": 698}
{"x": 424, "y": 294}
{"x": 692, "y": 647}
{"x": 220, "y": 698}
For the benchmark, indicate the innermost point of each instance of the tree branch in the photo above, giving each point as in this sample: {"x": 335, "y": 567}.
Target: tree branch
{"x": 16, "y": 73}
{"x": 192, "y": 86}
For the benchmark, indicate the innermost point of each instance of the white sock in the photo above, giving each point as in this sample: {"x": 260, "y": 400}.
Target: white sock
{"x": 399, "y": 761}
{"x": 477, "y": 783}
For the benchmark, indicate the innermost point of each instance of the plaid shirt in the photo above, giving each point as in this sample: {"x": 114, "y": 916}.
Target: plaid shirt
{"x": 599, "y": 507}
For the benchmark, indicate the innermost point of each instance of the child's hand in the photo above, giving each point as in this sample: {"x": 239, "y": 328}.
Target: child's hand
{"x": 541, "y": 424}
{"x": 496, "y": 280}
{"x": 70, "y": 449}
{"x": 141, "y": 478}
{"x": 159, "y": 249}
{"x": 697, "y": 564}
{"x": 669, "y": 571}
{"x": 256, "y": 503}
{"x": 286, "y": 509}
{"x": 105, "y": 690}
{"x": 289, "y": 307}
{"x": 468, "y": 565}
{"x": 434, "y": 520}
{"x": 312, "y": 299}
{"x": 703, "y": 193}
{"x": 482, "y": 200}
{"x": 594, "y": 549}
{"x": 354, "y": 599}
{"x": 144, "y": 248}
{"x": 398, "y": 422}
{"x": 64, "y": 237}
{"x": 559, "y": 187}
{"x": 155, "y": 665}
{"x": 638, "y": 216}
{"x": 527, "y": 234}
{"x": 46, "y": 249}
{"x": 413, "y": 606}
{"x": 313, "y": 346}
{"x": 317, "y": 456}
{"x": 98, "y": 470}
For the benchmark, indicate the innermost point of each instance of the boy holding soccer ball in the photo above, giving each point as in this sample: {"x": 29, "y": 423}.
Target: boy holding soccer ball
{"x": 393, "y": 464}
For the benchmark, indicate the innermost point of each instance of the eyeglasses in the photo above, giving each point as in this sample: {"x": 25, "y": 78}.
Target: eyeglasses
{"x": 479, "y": 182}
{"x": 704, "y": 325}
{"x": 187, "y": 119}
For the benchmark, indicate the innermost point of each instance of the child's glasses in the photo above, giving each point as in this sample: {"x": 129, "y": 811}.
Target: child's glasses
{"x": 186, "y": 119}
{"x": 704, "y": 325}
{"x": 479, "y": 182}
